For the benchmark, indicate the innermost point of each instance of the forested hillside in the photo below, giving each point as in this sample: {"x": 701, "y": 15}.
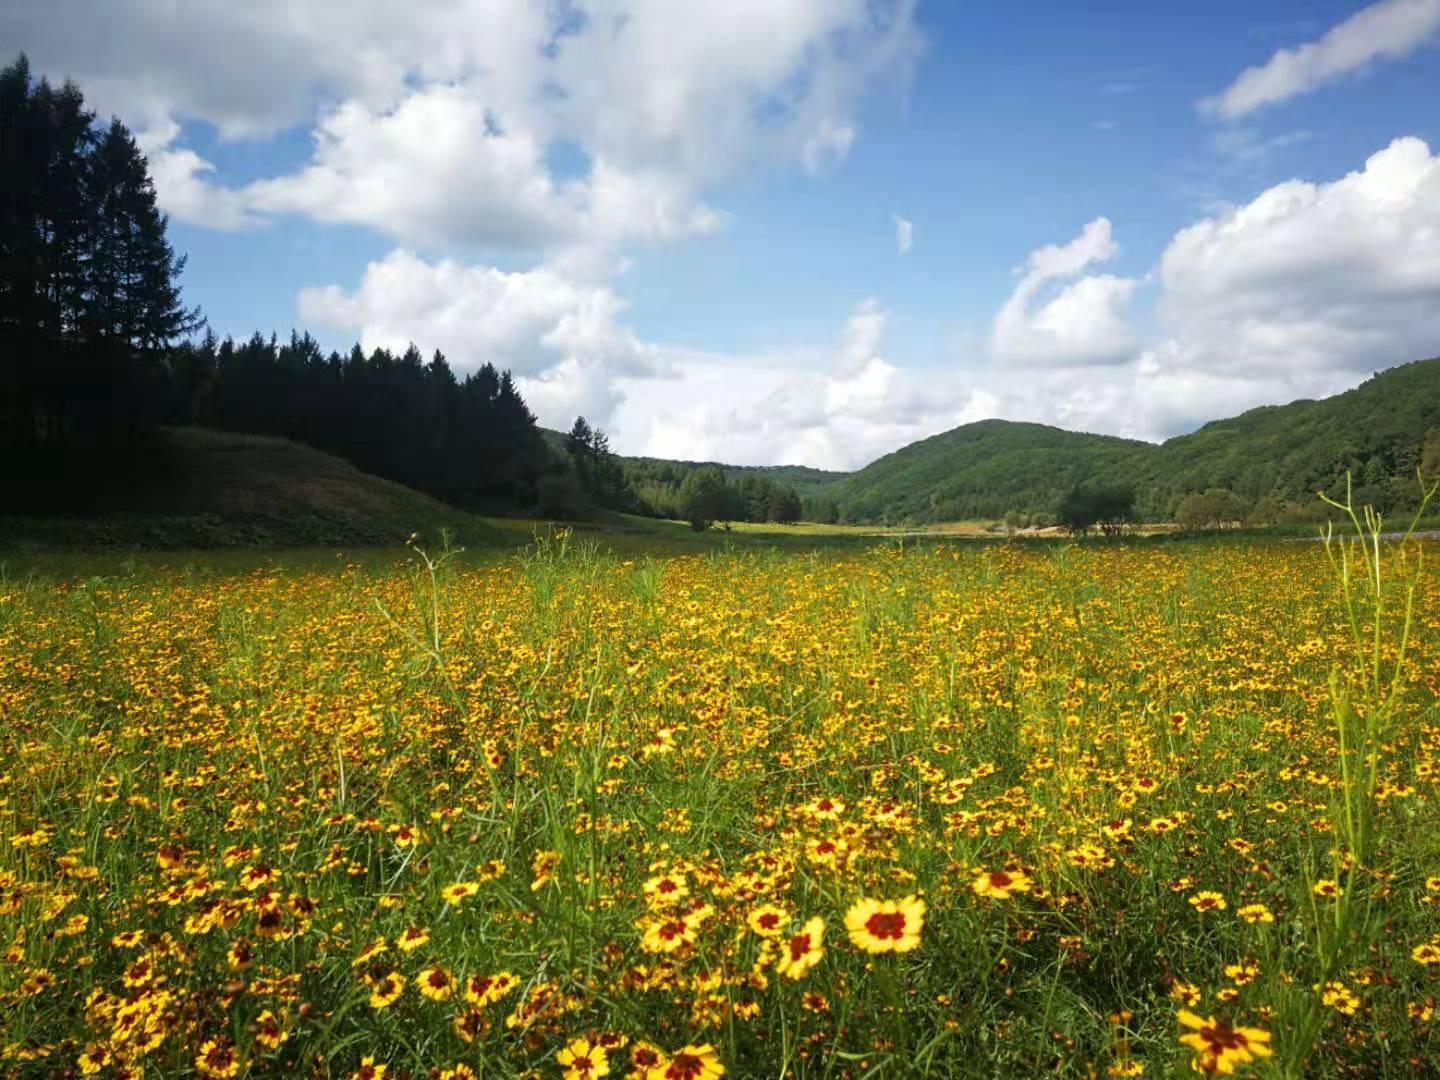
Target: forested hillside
{"x": 1263, "y": 466}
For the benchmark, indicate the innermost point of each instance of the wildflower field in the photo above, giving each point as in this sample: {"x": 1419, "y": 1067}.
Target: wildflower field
{"x": 945, "y": 810}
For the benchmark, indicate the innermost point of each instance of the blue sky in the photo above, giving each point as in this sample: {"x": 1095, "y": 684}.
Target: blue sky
{"x": 1124, "y": 217}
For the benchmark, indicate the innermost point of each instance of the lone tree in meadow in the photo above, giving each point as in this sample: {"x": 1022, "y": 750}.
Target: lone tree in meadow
{"x": 706, "y": 498}
{"x": 1110, "y": 507}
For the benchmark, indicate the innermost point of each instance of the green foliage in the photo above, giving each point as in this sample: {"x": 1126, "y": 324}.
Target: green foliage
{"x": 706, "y": 499}
{"x": 1110, "y": 506}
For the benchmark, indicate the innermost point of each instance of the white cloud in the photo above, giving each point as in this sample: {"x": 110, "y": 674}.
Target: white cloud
{"x": 182, "y": 183}
{"x": 433, "y": 124}
{"x": 840, "y": 409}
{"x": 1386, "y": 30}
{"x": 1086, "y": 322}
{"x": 1301, "y": 292}
{"x": 904, "y": 234}
{"x": 1314, "y": 278}
{"x": 527, "y": 321}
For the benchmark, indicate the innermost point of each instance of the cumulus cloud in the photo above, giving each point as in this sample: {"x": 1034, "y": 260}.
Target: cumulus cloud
{"x": 1086, "y": 322}
{"x": 1301, "y": 292}
{"x": 183, "y": 185}
{"x": 566, "y": 337}
{"x": 837, "y": 408}
{"x": 904, "y": 234}
{"x": 433, "y": 125}
{"x": 1314, "y": 277}
{"x": 1387, "y": 30}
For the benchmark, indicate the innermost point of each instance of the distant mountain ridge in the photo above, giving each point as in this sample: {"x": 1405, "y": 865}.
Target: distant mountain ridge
{"x": 1274, "y": 459}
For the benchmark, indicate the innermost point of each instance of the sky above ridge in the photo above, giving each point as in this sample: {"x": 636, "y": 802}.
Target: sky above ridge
{"x": 800, "y": 231}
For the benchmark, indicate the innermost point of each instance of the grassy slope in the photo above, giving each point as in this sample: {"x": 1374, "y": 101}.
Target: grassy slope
{"x": 208, "y": 489}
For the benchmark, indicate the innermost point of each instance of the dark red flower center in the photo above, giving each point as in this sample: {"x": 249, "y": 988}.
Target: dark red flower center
{"x": 886, "y": 925}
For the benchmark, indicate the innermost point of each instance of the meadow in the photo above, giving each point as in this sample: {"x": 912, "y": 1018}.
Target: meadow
{"x": 896, "y": 808}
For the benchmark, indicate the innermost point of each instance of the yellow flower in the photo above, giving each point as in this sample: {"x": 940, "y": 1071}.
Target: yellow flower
{"x": 459, "y": 892}
{"x": 386, "y": 990}
{"x": 1001, "y": 884}
{"x": 370, "y": 1070}
{"x": 666, "y": 890}
{"x": 1329, "y": 889}
{"x": 800, "y": 952}
{"x": 583, "y": 1060}
{"x": 543, "y": 866}
{"x": 1339, "y": 997}
{"x": 1208, "y": 901}
{"x": 217, "y": 1060}
{"x": 768, "y": 920}
{"x": 412, "y": 938}
{"x": 1256, "y": 913}
{"x": 268, "y": 1032}
{"x": 1218, "y": 1046}
{"x": 1427, "y": 954}
{"x": 879, "y": 926}
{"x": 689, "y": 1063}
{"x": 436, "y": 983}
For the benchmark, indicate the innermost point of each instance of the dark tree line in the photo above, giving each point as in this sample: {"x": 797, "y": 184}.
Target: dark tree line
{"x": 91, "y": 311}
{"x": 471, "y": 442}
{"x": 678, "y": 490}
{"x": 89, "y": 284}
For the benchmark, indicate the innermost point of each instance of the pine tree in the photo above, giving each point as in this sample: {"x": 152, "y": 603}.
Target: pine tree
{"x": 134, "y": 272}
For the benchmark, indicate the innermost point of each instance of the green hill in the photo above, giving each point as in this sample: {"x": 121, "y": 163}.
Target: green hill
{"x": 1378, "y": 432}
{"x": 1274, "y": 459}
{"x": 201, "y": 488}
{"x": 980, "y": 470}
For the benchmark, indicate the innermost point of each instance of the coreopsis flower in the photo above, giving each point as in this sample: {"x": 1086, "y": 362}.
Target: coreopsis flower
{"x": 666, "y": 890}
{"x": 1218, "y": 1046}
{"x": 412, "y": 938}
{"x": 1208, "y": 901}
{"x": 386, "y": 990}
{"x": 369, "y": 952}
{"x": 644, "y": 1056}
{"x": 879, "y": 926}
{"x": 370, "y": 1069}
{"x": 483, "y": 990}
{"x": 825, "y": 809}
{"x": 1256, "y": 913}
{"x": 767, "y": 920}
{"x": 689, "y": 1063}
{"x": 436, "y": 983}
{"x": 1336, "y": 995}
{"x": 459, "y": 892}
{"x": 217, "y": 1060}
{"x": 269, "y": 1032}
{"x": 459, "y": 1072}
{"x": 1427, "y": 953}
{"x": 667, "y": 934}
{"x": 1331, "y": 890}
{"x": 583, "y": 1060}
{"x": 94, "y": 1058}
{"x": 471, "y": 1024}
{"x": 543, "y": 866}
{"x": 802, "y": 951}
{"x": 1000, "y": 884}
